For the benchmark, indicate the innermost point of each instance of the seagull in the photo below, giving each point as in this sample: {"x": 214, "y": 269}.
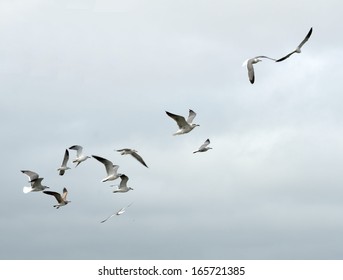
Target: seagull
{"x": 249, "y": 63}
{"x": 203, "y": 147}
{"x": 64, "y": 166}
{"x": 122, "y": 186}
{"x": 111, "y": 169}
{"x": 298, "y": 49}
{"x": 121, "y": 211}
{"x": 133, "y": 153}
{"x": 184, "y": 126}
{"x": 36, "y": 182}
{"x": 61, "y": 199}
{"x": 80, "y": 157}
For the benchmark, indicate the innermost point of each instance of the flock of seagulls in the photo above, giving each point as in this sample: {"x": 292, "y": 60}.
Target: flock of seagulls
{"x": 249, "y": 62}
{"x": 184, "y": 126}
{"x": 111, "y": 170}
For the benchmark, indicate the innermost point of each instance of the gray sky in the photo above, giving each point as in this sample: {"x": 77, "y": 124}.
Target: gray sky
{"x": 102, "y": 73}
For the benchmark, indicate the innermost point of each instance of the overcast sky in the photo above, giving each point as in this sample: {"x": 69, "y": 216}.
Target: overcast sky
{"x": 101, "y": 74}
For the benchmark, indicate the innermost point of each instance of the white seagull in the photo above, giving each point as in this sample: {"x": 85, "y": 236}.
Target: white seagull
{"x": 61, "y": 199}
{"x": 80, "y": 157}
{"x": 64, "y": 166}
{"x": 35, "y": 181}
{"x": 111, "y": 169}
{"x": 184, "y": 126}
{"x": 121, "y": 211}
{"x": 133, "y": 153}
{"x": 249, "y": 63}
{"x": 298, "y": 48}
{"x": 123, "y": 184}
{"x": 203, "y": 147}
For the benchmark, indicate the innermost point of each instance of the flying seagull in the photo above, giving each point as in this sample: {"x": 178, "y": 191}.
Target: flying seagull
{"x": 203, "y": 147}
{"x": 111, "y": 169}
{"x": 249, "y": 63}
{"x": 35, "y": 181}
{"x": 298, "y": 49}
{"x": 121, "y": 211}
{"x": 184, "y": 126}
{"x": 80, "y": 157}
{"x": 61, "y": 199}
{"x": 123, "y": 184}
{"x": 133, "y": 153}
{"x": 64, "y": 166}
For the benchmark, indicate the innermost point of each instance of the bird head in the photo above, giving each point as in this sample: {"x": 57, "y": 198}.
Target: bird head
{"x": 256, "y": 60}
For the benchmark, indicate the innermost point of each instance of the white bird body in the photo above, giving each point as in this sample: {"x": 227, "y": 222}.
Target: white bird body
{"x": 184, "y": 125}
{"x": 133, "y": 153}
{"x": 204, "y": 147}
{"x": 61, "y": 199}
{"x": 35, "y": 181}
{"x": 298, "y": 48}
{"x": 121, "y": 211}
{"x": 64, "y": 166}
{"x": 123, "y": 184}
{"x": 249, "y": 63}
{"x": 111, "y": 169}
{"x": 80, "y": 157}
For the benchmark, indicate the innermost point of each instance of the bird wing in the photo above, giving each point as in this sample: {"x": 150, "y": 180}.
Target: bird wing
{"x": 306, "y": 38}
{"x": 121, "y": 211}
{"x": 139, "y": 158}
{"x": 251, "y": 73}
{"x": 108, "y": 164}
{"x": 191, "y": 116}
{"x": 245, "y": 62}
{"x": 128, "y": 205}
{"x": 65, "y": 193}
{"x": 263, "y": 56}
{"x": 115, "y": 168}
{"x": 37, "y": 183}
{"x": 55, "y": 194}
{"x": 65, "y": 158}
{"x": 32, "y": 175}
{"x": 180, "y": 120}
{"x": 123, "y": 182}
{"x": 124, "y": 150}
{"x": 285, "y": 57}
{"x": 206, "y": 143}
{"x": 78, "y": 149}
{"x": 108, "y": 218}
{"x": 299, "y": 47}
